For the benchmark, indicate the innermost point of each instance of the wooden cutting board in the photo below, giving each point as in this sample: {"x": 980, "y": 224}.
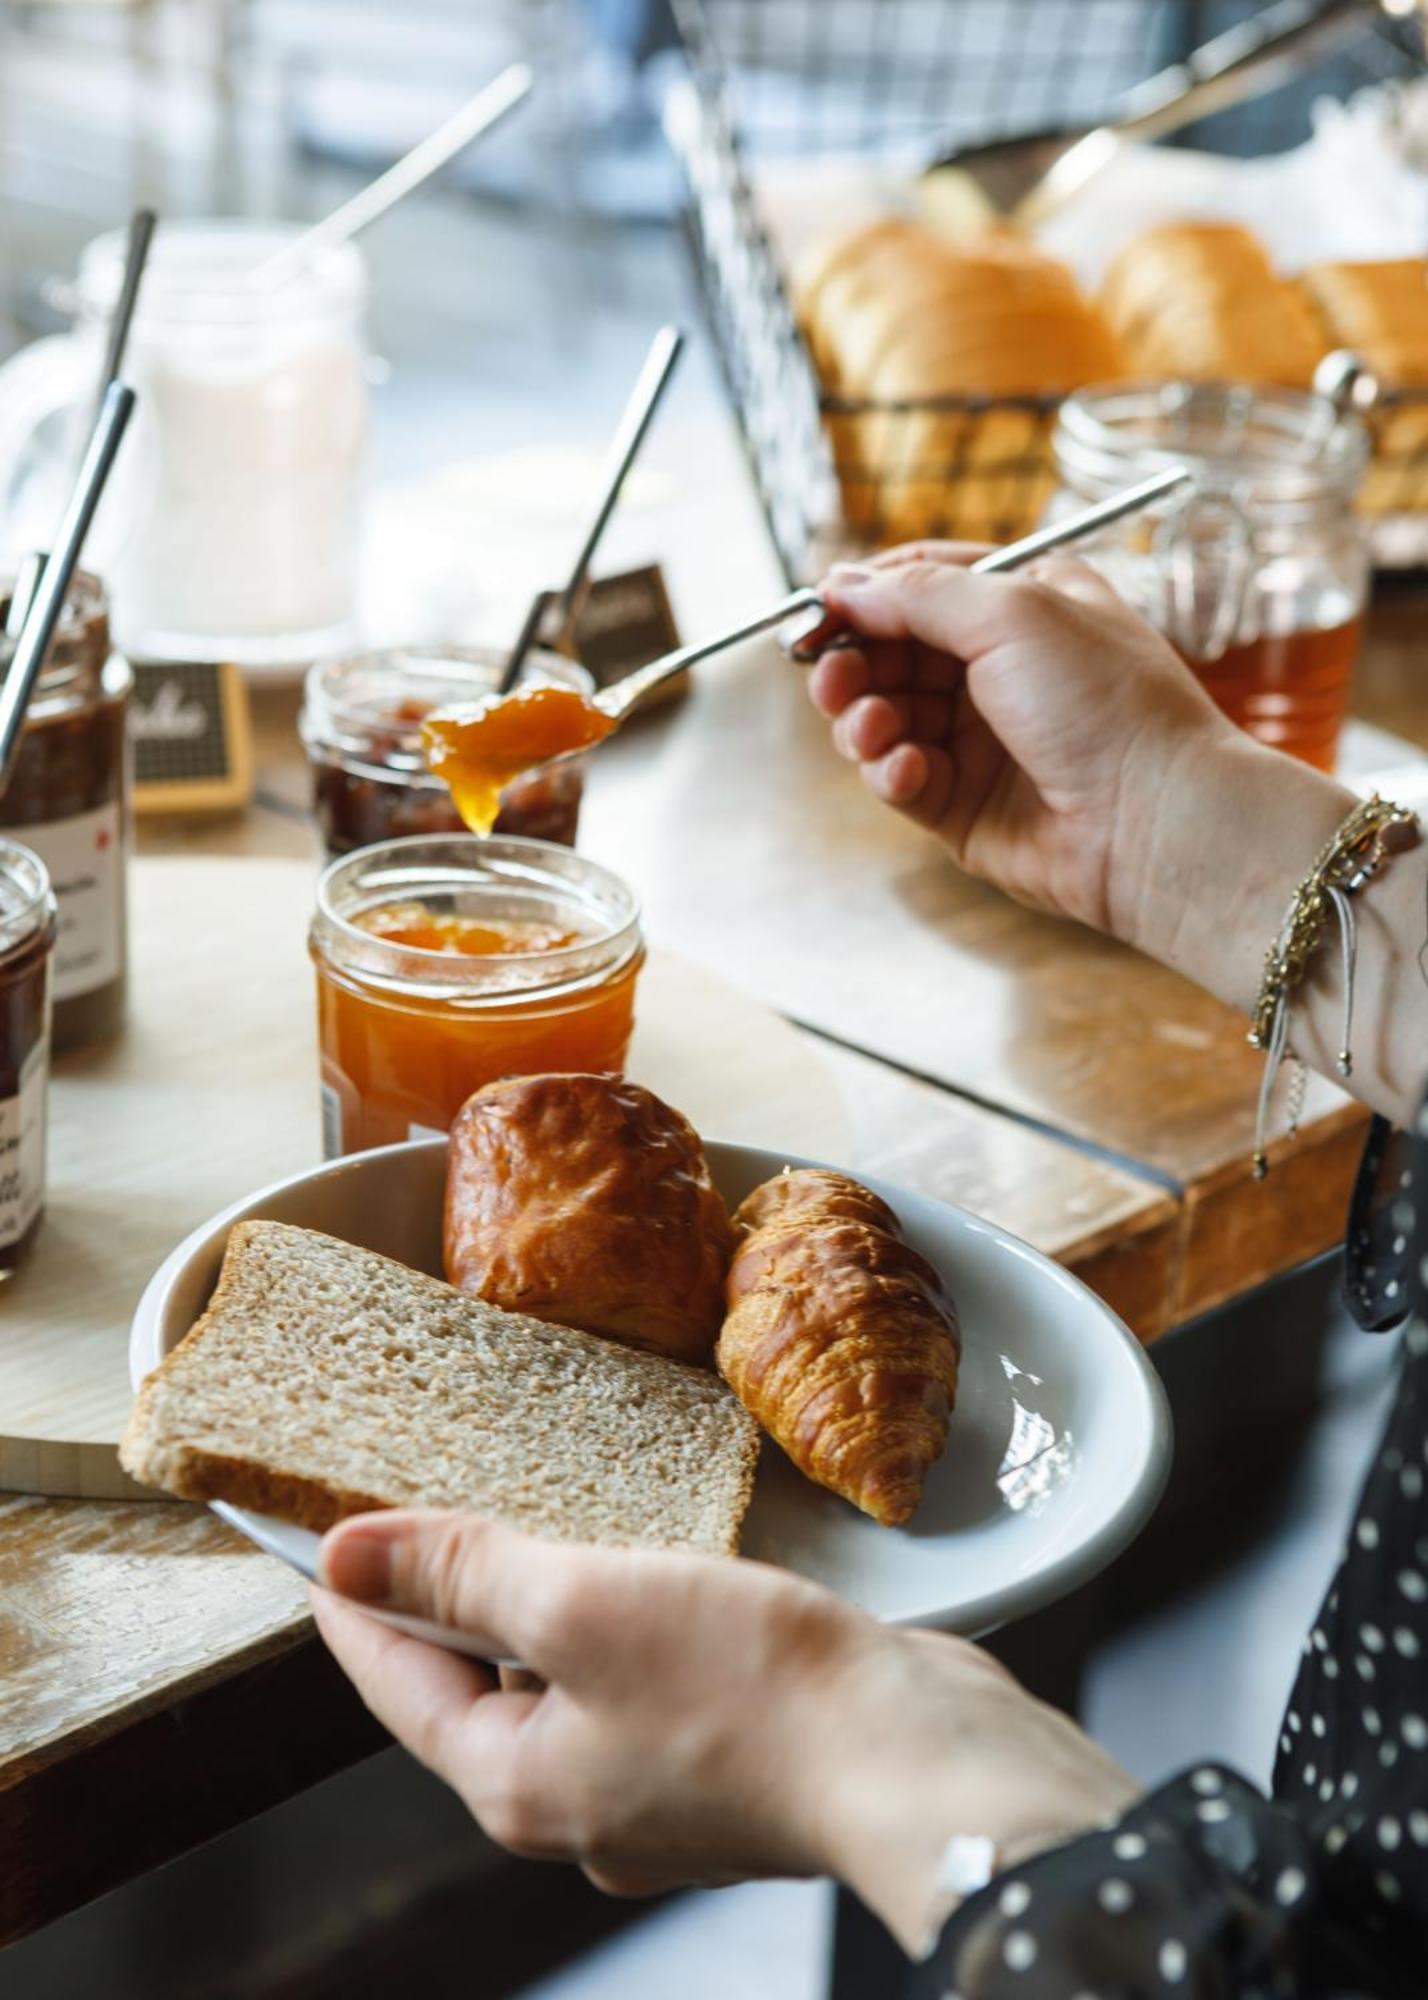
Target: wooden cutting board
{"x": 211, "y": 1092}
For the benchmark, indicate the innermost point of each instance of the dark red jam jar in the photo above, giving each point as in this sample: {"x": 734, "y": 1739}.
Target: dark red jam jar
{"x": 27, "y": 940}
{"x": 68, "y": 800}
{"x": 361, "y": 724}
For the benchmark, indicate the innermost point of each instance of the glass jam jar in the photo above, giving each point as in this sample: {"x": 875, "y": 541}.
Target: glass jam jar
{"x": 1259, "y": 574}
{"x": 361, "y": 724}
{"x": 68, "y": 799}
{"x": 231, "y": 529}
{"x": 27, "y": 936}
{"x": 443, "y": 964}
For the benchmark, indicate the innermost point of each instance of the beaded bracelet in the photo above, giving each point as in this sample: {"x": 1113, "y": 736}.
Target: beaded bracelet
{"x": 1375, "y": 830}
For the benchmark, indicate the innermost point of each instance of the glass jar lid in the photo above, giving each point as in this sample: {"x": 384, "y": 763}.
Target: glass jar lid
{"x": 485, "y": 881}
{"x": 367, "y": 708}
{"x": 1272, "y": 450}
{"x": 27, "y": 902}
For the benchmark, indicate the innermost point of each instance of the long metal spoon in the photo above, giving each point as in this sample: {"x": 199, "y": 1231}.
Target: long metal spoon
{"x": 22, "y": 596}
{"x": 476, "y": 117}
{"x": 1074, "y": 528}
{"x": 141, "y": 234}
{"x": 551, "y": 616}
{"x": 142, "y": 225}
{"x": 47, "y": 606}
{"x": 618, "y": 701}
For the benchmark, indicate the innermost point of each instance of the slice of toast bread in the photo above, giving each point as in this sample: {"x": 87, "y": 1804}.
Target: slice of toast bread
{"x": 324, "y": 1380}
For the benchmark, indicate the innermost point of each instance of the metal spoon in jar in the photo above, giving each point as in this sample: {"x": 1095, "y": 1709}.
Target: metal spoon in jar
{"x": 47, "y": 605}
{"x": 142, "y": 224}
{"x": 475, "y": 118}
{"x": 478, "y": 747}
{"x": 550, "y": 618}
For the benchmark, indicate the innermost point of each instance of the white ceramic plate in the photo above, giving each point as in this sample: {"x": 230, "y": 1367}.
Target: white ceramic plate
{"x": 1059, "y": 1446}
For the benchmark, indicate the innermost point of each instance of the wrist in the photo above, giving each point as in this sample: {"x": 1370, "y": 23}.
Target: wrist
{"x": 935, "y": 1741}
{"x": 1206, "y": 857}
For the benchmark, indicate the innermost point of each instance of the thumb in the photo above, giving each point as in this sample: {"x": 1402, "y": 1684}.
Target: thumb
{"x": 958, "y": 611}
{"x": 505, "y": 1589}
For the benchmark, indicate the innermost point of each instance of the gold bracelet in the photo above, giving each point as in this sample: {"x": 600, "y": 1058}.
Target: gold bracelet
{"x": 1373, "y": 832}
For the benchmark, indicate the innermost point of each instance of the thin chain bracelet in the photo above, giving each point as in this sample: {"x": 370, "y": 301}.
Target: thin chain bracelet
{"x": 1374, "y": 831}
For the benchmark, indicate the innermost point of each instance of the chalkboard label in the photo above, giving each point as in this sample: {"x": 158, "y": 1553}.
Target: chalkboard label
{"x": 624, "y": 623}
{"x": 191, "y": 736}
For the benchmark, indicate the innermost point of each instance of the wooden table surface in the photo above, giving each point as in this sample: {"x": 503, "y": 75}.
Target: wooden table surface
{"x": 1084, "y": 1099}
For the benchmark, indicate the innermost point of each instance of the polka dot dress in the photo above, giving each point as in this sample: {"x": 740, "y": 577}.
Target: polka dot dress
{"x": 1207, "y": 1890}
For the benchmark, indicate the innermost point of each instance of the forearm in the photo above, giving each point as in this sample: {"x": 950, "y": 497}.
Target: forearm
{"x": 1232, "y": 831}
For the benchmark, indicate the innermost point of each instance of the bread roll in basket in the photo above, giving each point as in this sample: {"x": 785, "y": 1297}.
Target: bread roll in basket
{"x": 895, "y": 315}
{"x": 1202, "y": 301}
{"x": 1380, "y": 310}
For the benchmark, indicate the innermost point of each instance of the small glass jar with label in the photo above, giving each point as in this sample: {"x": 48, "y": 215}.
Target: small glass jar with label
{"x": 68, "y": 800}
{"x": 361, "y": 724}
{"x": 27, "y": 937}
{"x": 444, "y": 964}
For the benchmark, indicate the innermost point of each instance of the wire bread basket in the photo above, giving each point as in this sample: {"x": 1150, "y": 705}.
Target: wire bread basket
{"x": 770, "y": 82}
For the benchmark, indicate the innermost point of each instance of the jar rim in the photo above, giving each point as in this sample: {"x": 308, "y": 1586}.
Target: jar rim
{"x": 200, "y": 273}
{"x": 85, "y": 609}
{"x": 27, "y": 901}
{"x": 419, "y": 867}
{"x": 1270, "y": 447}
{"x": 334, "y": 718}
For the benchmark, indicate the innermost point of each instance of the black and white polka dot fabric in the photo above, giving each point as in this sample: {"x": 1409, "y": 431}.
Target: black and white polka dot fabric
{"x": 1207, "y": 1890}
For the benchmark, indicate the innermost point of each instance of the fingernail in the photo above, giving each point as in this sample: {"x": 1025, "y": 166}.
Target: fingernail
{"x": 853, "y": 576}
{"x": 358, "y": 1565}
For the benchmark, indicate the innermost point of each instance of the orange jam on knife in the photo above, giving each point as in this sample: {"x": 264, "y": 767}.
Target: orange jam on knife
{"x": 443, "y": 964}
{"x": 478, "y": 752}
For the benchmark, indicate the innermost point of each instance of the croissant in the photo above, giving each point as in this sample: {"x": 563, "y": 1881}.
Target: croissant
{"x": 840, "y": 1339}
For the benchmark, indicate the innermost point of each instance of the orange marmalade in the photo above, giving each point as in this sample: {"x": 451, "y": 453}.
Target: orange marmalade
{"x": 480, "y": 751}
{"x": 445, "y": 963}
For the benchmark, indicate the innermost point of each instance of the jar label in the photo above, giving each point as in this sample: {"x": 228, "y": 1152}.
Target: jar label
{"x": 22, "y": 1147}
{"x": 85, "y": 859}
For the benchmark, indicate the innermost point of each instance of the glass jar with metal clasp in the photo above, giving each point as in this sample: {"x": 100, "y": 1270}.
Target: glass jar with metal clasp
{"x": 1259, "y": 575}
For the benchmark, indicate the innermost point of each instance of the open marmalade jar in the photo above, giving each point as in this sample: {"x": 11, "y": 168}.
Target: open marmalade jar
{"x": 68, "y": 800}
{"x": 361, "y": 724}
{"x": 27, "y": 936}
{"x": 1260, "y": 573}
{"x": 443, "y": 964}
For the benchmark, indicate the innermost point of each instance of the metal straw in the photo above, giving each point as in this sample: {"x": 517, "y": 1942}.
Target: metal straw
{"x": 48, "y": 603}
{"x": 479, "y": 115}
{"x": 559, "y": 611}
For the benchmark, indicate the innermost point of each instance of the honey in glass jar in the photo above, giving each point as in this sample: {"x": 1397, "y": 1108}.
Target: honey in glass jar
{"x": 27, "y": 937}
{"x": 361, "y": 725}
{"x": 1259, "y": 574}
{"x": 68, "y": 800}
{"x": 443, "y": 964}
